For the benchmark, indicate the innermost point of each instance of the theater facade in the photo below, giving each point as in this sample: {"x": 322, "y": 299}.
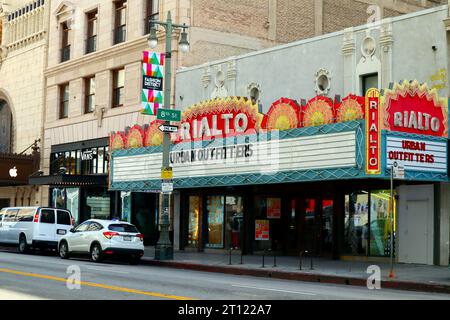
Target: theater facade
{"x": 306, "y": 175}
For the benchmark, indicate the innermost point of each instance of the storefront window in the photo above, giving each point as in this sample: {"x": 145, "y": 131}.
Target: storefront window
{"x": 194, "y": 214}
{"x": 235, "y": 222}
{"x": 59, "y": 198}
{"x": 215, "y": 209}
{"x": 327, "y": 225}
{"x": 73, "y": 197}
{"x": 380, "y": 224}
{"x": 97, "y": 204}
{"x": 267, "y": 209}
{"x": 357, "y": 223}
{"x": 126, "y": 206}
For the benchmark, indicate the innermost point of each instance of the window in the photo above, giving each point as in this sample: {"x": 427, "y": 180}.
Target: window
{"x": 48, "y": 216}
{"x": 63, "y": 217}
{"x": 2, "y": 212}
{"x": 121, "y": 21}
{"x": 118, "y": 88}
{"x": 369, "y": 81}
{"x": 10, "y": 215}
{"x": 123, "y": 228}
{"x": 64, "y": 101}
{"x": 94, "y": 226}
{"x": 26, "y": 215}
{"x": 91, "y": 42}
{"x": 65, "y": 42}
{"x": 151, "y": 14}
{"x": 89, "y": 103}
{"x": 83, "y": 227}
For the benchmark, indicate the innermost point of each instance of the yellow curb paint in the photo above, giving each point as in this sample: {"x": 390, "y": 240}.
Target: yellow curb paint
{"x": 96, "y": 285}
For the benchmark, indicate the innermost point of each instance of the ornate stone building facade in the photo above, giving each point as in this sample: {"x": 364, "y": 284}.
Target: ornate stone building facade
{"x": 23, "y": 53}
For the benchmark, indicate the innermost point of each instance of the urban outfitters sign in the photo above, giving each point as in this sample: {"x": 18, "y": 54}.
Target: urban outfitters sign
{"x": 417, "y": 154}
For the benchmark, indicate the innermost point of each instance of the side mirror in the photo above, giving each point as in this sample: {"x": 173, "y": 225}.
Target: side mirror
{"x": 72, "y": 230}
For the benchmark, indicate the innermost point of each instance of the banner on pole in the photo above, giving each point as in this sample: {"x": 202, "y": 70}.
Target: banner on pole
{"x": 152, "y": 82}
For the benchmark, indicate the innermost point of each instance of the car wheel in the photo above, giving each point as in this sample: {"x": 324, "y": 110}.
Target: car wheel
{"x": 96, "y": 253}
{"x": 64, "y": 250}
{"x": 134, "y": 260}
{"x": 23, "y": 245}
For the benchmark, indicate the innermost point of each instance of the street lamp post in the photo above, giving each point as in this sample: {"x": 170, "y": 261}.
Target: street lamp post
{"x": 164, "y": 248}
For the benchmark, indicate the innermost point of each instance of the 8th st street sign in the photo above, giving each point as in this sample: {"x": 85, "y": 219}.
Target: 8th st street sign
{"x": 168, "y": 115}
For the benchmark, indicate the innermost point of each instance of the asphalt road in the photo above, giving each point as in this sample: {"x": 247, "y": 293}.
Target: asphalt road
{"x": 38, "y": 276}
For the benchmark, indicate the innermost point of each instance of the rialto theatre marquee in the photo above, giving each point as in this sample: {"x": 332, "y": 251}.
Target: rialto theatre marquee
{"x": 318, "y": 167}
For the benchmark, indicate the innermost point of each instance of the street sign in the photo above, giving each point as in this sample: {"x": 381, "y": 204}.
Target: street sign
{"x": 166, "y": 187}
{"x": 168, "y": 128}
{"x": 398, "y": 170}
{"x": 168, "y": 115}
{"x": 167, "y": 174}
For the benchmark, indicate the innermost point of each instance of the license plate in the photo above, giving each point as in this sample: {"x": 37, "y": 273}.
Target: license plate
{"x": 126, "y": 238}
{"x": 62, "y": 232}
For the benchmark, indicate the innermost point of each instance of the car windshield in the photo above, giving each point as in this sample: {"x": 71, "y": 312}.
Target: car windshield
{"x": 122, "y": 227}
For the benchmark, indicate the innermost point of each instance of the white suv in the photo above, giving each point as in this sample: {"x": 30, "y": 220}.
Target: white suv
{"x": 103, "y": 238}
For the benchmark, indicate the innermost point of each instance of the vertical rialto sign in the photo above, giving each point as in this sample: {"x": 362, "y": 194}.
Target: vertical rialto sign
{"x": 373, "y": 132}
{"x": 152, "y": 82}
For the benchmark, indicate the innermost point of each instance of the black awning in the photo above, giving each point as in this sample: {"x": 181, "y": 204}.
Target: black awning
{"x": 66, "y": 180}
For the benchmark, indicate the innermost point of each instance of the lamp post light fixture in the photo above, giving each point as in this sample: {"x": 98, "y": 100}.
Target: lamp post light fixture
{"x": 164, "y": 248}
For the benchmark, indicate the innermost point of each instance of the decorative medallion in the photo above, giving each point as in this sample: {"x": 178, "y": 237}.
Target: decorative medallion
{"x": 284, "y": 114}
{"x": 317, "y": 112}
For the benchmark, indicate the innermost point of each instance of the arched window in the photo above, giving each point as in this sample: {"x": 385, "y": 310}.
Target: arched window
{"x": 5, "y": 127}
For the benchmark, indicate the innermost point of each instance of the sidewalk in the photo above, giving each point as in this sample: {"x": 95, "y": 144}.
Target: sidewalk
{"x": 407, "y": 276}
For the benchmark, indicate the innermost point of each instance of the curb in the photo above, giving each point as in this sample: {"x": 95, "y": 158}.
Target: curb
{"x": 298, "y": 276}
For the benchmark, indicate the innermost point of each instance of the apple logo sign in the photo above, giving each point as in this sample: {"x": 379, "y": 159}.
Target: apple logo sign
{"x": 13, "y": 172}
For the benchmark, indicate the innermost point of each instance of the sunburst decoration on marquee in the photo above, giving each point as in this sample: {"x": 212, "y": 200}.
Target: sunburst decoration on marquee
{"x": 318, "y": 111}
{"x": 284, "y": 114}
{"x": 117, "y": 141}
{"x": 153, "y": 136}
{"x": 135, "y": 137}
{"x": 220, "y": 105}
{"x": 413, "y": 88}
{"x": 351, "y": 108}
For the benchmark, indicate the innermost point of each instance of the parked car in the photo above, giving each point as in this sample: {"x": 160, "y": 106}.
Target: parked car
{"x": 103, "y": 238}
{"x": 34, "y": 227}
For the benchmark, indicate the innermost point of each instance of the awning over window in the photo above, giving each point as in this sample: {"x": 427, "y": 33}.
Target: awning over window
{"x": 66, "y": 180}
{"x": 15, "y": 169}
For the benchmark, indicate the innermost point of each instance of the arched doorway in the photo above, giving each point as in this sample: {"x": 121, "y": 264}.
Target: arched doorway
{"x": 5, "y": 127}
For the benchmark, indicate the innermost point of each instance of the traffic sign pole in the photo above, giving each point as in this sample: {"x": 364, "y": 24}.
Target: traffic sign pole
{"x": 391, "y": 273}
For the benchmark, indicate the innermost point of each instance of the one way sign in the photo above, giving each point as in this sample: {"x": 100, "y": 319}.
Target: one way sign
{"x": 168, "y": 128}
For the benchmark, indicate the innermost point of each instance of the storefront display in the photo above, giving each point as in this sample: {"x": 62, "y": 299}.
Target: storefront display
{"x": 194, "y": 216}
{"x": 273, "y": 208}
{"x": 215, "y": 211}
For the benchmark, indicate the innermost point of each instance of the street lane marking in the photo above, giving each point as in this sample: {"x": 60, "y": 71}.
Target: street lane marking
{"x": 96, "y": 285}
{"x": 277, "y": 290}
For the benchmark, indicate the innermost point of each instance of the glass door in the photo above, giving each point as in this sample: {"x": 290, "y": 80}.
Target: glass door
{"x": 327, "y": 227}
{"x": 215, "y": 207}
{"x": 234, "y": 215}
{"x": 193, "y": 223}
{"x": 292, "y": 244}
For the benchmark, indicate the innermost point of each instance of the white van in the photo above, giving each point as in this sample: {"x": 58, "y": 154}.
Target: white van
{"x": 34, "y": 227}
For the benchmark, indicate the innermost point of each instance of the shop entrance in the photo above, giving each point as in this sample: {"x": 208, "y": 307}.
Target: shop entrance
{"x": 309, "y": 226}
